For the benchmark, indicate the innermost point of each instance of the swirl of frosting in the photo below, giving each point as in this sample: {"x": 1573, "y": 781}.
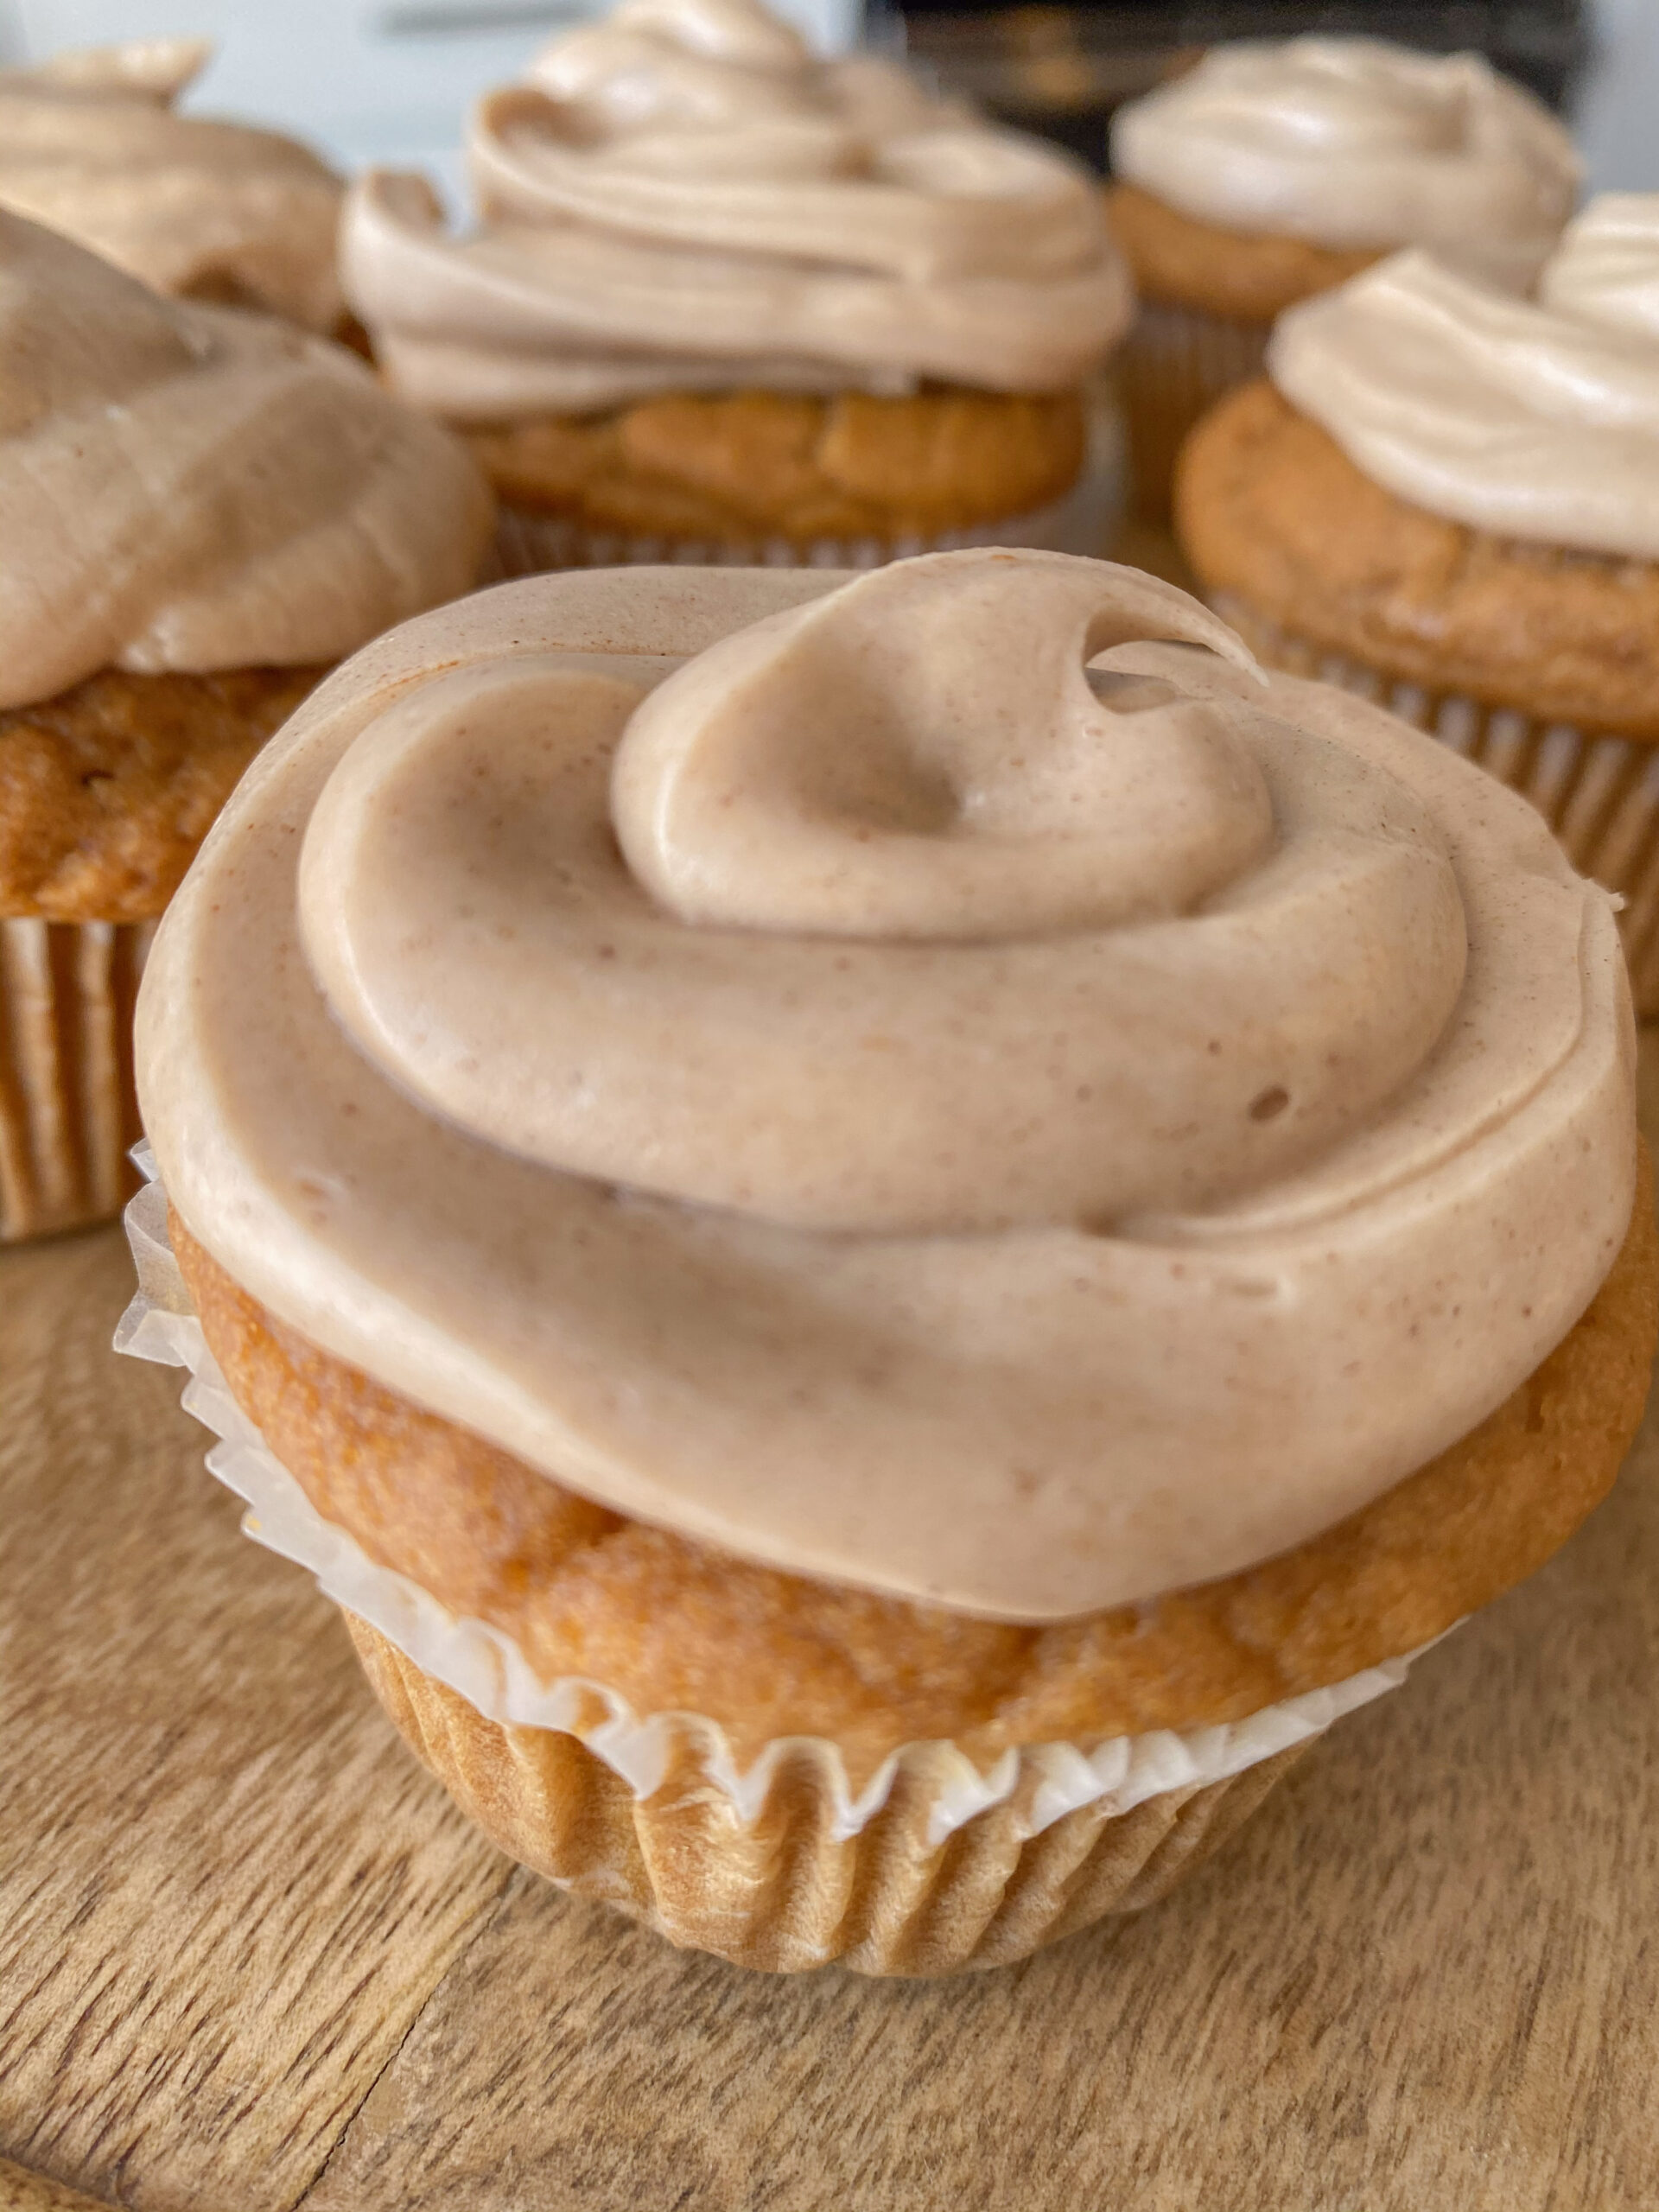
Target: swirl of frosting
{"x": 949, "y": 1081}
{"x": 90, "y": 145}
{"x": 1537, "y": 420}
{"x": 683, "y": 196}
{"x": 1351, "y": 143}
{"x": 192, "y": 488}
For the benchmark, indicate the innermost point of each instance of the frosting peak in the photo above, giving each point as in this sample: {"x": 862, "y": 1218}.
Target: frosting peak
{"x": 90, "y": 145}
{"x": 684, "y": 193}
{"x": 156, "y": 68}
{"x": 185, "y": 487}
{"x": 1352, "y": 142}
{"x": 704, "y": 62}
{"x": 806, "y": 1172}
{"x": 1535, "y": 420}
{"x": 959, "y": 773}
{"x": 737, "y": 31}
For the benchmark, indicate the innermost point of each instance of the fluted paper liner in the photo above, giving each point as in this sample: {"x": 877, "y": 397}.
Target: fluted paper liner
{"x": 68, "y": 1112}
{"x": 937, "y": 1863}
{"x": 1173, "y": 366}
{"x": 1600, "y": 795}
{"x": 529, "y": 543}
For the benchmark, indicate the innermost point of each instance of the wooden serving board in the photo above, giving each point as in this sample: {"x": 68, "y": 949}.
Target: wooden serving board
{"x": 250, "y": 1958}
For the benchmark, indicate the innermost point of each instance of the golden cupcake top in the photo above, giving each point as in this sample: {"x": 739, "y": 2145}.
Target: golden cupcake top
{"x": 1354, "y": 144}
{"x": 1535, "y": 419}
{"x": 194, "y": 489}
{"x": 91, "y": 144}
{"x": 951, "y": 1082}
{"x": 683, "y": 197}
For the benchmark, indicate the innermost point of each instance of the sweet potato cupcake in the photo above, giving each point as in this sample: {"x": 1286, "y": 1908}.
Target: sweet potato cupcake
{"x": 90, "y": 145}
{"x": 729, "y": 303}
{"x": 1449, "y": 498}
{"x": 1271, "y": 173}
{"x": 203, "y": 511}
{"x": 886, "y": 1235}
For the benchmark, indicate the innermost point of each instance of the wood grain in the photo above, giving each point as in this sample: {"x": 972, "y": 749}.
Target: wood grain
{"x": 1426, "y": 1976}
{"x": 224, "y": 1894}
{"x": 23, "y": 2192}
{"x": 249, "y": 1959}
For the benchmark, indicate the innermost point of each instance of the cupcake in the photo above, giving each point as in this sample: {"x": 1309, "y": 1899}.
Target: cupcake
{"x": 885, "y": 1235}
{"x": 1449, "y": 497}
{"x": 1271, "y": 173}
{"x": 90, "y": 145}
{"x": 730, "y": 303}
{"x": 204, "y": 510}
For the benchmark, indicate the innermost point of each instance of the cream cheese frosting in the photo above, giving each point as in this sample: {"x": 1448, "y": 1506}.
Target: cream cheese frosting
{"x": 951, "y": 1082}
{"x": 1352, "y": 142}
{"x": 1606, "y": 270}
{"x": 683, "y": 198}
{"x": 193, "y": 488}
{"x": 91, "y": 145}
{"x": 1536, "y": 420}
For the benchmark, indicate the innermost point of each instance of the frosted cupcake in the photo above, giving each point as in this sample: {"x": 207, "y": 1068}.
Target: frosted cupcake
{"x": 203, "y": 510}
{"x": 1271, "y": 173}
{"x": 1450, "y": 497}
{"x": 729, "y": 302}
{"x": 882, "y": 1269}
{"x": 91, "y": 145}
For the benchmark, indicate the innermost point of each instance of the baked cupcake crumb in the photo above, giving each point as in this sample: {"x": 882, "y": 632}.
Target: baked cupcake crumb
{"x": 672, "y": 1625}
{"x": 1268, "y": 505}
{"x": 107, "y": 789}
{"x": 1246, "y": 275}
{"x": 793, "y": 466}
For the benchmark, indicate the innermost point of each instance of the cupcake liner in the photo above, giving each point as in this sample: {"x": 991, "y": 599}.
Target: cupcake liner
{"x": 778, "y": 1889}
{"x": 1600, "y": 795}
{"x": 935, "y": 1864}
{"x": 68, "y": 1111}
{"x": 530, "y": 543}
{"x": 1172, "y": 368}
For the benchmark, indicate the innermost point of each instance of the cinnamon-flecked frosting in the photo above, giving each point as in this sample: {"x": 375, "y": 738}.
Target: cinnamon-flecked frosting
{"x": 683, "y": 198}
{"x": 1352, "y": 142}
{"x": 195, "y": 488}
{"x": 1535, "y": 419}
{"x": 91, "y": 145}
{"x": 812, "y": 1063}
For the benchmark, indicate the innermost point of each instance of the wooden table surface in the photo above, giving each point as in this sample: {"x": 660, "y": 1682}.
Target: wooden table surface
{"x": 250, "y": 1958}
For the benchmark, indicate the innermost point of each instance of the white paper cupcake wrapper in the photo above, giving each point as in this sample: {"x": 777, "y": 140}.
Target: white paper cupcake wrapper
{"x": 486, "y": 1668}
{"x": 1173, "y": 366}
{"x": 67, "y": 1110}
{"x": 529, "y": 543}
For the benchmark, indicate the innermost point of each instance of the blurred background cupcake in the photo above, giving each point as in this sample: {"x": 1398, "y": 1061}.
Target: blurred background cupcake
{"x": 729, "y": 302}
{"x": 1267, "y": 174}
{"x": 1449, "y": 497}
{"x": 91, "y": 144}
{"x": 204, "y": 510}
